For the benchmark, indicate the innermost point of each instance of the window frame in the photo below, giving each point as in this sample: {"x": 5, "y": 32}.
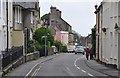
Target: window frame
{"x": 18, "y": 14}
{"x": 31, "y": 17}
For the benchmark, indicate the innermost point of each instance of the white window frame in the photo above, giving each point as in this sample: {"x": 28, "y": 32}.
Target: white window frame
{"x": 3, "y": 11}
{"x": 18, "y": 14}
{"x": 0, "y": 8}
{"x": 31, "y": 17}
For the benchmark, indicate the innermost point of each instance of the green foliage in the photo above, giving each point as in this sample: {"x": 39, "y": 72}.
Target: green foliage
{"x": 58, "y": 45}
{"x": 93, "y": 40}
{"x": 64, "y": 49}
{"x": 41, "y": 34}
{"x": 46, "y": 16}
{"x": 37, "y": 45}
{"x": 30, "y": 46}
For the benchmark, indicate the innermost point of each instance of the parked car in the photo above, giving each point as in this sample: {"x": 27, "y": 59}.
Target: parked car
{"x": 79, "y": 49}
{"x": 54, "y": 49}
{"x": 71, "y": 48}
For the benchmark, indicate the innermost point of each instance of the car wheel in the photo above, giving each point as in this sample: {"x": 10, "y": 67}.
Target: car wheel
{"x": 75, "y": 53}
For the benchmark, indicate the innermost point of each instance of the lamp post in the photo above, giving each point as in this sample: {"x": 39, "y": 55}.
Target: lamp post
{"x": 46, "y": 26}
{"x": 25, "y": 43}
{"x": 45, "y": 45}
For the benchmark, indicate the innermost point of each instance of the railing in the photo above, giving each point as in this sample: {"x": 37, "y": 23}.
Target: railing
{"x": 11, "y": 56}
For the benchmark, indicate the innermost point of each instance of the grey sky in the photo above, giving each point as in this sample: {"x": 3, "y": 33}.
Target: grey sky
{"x": 78, "y": 13}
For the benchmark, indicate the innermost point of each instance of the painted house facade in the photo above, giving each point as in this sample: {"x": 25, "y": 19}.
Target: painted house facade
{"x": 18, "y": 20}
{"x": 108, "y": 33}
{"x": 62, "y": 36}
{"x": 3, "y": 30}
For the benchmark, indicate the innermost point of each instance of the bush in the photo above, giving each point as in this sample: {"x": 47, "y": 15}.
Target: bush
{"x": 30, "y": 46}
{"x": 37, "y": 45}
{"x": 42, "y": 33}
{"x": 64, "y": 49}
{"x": 58, "y": 45}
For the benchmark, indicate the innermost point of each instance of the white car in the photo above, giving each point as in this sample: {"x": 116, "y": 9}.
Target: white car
{"x": 79, "y": 49}
{"x": 71, "y": 48}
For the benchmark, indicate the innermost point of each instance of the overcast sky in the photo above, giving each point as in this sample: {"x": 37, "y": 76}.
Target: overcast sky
{"x": 78, "y": 13}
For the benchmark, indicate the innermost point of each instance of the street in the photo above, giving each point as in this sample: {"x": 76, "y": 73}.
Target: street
{"x": 67, "y": 64}
{"x": 64, "y": 64}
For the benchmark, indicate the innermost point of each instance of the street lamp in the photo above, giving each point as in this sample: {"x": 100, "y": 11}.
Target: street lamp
{"x": 116, "y": 27}
{"x": 46, "y": 26}
{"x": 25, "y": 43}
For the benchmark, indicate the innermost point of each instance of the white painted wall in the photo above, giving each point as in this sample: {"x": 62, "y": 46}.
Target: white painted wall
{"x": 110, "y": 38}
{"x": 3, "y": 30}
{"x": 64, "y": 37}
{"x": 10, "y": 22}
{"x": 3, "y": 27}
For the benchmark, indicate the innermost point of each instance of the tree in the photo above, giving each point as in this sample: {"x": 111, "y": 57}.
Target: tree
{"x": 45, "y": 17}
{"x": 93, "y": 40}
{"x": 42, "y": 33}
{"x": 58, "y": 44}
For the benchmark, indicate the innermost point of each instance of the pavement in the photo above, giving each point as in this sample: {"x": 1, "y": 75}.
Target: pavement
{"x": 29, "y": 66}
{"x": 112, "y": 72}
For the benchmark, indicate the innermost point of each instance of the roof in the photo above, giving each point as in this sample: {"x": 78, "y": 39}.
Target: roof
{"x": 26, "y": 5}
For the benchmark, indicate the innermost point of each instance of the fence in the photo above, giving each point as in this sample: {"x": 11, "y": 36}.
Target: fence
{"x": 11, "y": 56}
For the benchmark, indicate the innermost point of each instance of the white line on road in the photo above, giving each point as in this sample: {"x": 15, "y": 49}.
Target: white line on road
{"x": 90, "y": 74}
{"x": 78, "y": 68}
{"x": 83, "y": 70}
{"x": 75, "y": 64}
{"x": 37, "y": 70}
{"x": 31, "y": 70}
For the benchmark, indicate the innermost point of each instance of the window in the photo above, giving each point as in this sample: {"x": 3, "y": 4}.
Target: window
{"x": 18, "y": 14}
{"x": 3, "y": 11}
{"x": 0, "y": 8}
{"x": 31, "y": 18}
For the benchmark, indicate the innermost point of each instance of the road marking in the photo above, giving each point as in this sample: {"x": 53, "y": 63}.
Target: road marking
{"x": 90, "y": 74}
{"x": 75, "y": 62}
{"x": 83, "y": 71}
{"x": 37, "y": 70}
{"x": 80, "y": 68}
{"x": 30, "y": 71}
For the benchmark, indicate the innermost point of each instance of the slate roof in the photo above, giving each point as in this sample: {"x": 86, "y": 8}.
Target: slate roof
{"x": 26, "y": 5}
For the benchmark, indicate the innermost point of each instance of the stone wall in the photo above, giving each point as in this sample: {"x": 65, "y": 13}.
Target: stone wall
{"x": 21, "y": 60}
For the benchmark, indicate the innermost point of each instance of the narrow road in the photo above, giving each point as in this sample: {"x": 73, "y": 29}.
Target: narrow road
{"x": 67, "y": 64}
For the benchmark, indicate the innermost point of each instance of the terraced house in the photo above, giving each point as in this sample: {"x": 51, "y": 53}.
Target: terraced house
{"x": 59, "y": 25}
{"x": 3, "y": 30}
{"x": 108, "y": 33}
{"x": 18, "y": 20}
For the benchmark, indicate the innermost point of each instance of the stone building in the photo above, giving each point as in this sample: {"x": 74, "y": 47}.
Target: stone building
{"x": 58, "y": 24}
{"x": 18, "y": 20}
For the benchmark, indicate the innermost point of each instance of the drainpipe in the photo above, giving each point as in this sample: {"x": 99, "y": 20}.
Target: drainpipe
{"x": 7, "y": 25}
{"x": 98, "y": 34}
{"x": 97, "y": 24}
